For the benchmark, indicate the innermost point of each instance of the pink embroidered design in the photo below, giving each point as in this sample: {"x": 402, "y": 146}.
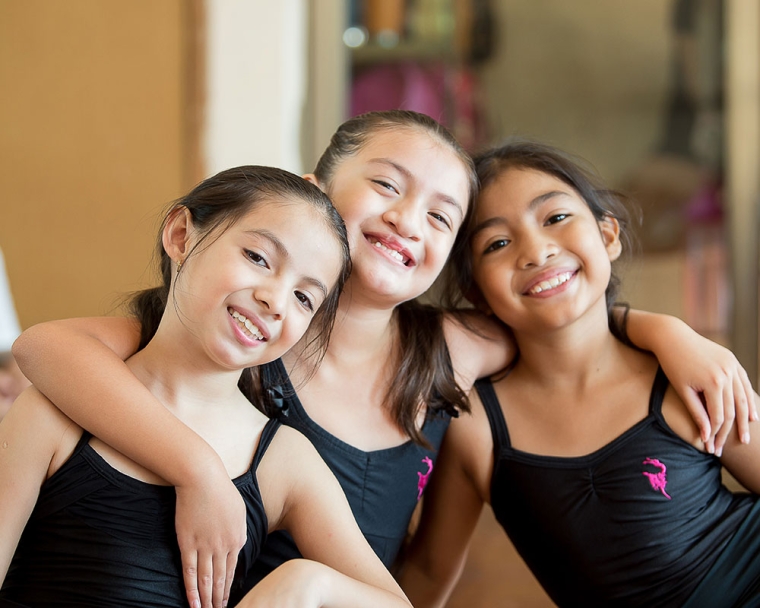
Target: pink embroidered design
{"x": 658, "y": 480}
{"x": 423, "y": 477}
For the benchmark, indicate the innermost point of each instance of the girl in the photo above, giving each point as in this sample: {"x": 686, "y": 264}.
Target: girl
{"x": 588, "y": 457}
{"x": 378, "y": 406}
{"x": 248, "y": 259}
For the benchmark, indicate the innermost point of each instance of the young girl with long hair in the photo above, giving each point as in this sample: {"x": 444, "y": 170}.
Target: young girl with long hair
{"x": 252, "y": 260}
{"x": 395, "y": 370}
{"x": 589, "y": 458}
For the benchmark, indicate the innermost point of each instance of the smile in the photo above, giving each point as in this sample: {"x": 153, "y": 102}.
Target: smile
{"x": 393, "y": 253}
{"x": 551, "y": 283}
{"x": 245, "y": 324}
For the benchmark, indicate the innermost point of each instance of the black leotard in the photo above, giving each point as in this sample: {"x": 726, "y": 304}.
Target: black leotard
{"x": 638, "y": 522}
{"x": 382, "y": 487}
{"x": 98, "y": 537}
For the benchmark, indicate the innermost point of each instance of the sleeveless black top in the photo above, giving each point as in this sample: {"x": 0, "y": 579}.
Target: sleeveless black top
{"x": 98, "y": 537}
{"x": 639, "y": 522}
{"x": 382, "y": 486}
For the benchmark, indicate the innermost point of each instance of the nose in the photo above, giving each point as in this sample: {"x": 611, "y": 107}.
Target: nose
{"x": 405, "y": 215}
{"x": 272, "y": 295}
{"x": 535, "y": 249}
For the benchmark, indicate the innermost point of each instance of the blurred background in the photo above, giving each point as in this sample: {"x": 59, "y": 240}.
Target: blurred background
{"x": 110, "y": 110}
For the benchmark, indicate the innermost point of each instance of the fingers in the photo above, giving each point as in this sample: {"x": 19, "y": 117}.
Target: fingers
{"x": 206, "y": 579}
{"x": 219, "y": 591}
{"x": 729, "y": 415}
{"x": 749, "y": 395}
{"x": 231, "y": 565}
{"x": 190, "y": 576}
{"x": 698, "y": 410}
{"x": 743, "y": 413}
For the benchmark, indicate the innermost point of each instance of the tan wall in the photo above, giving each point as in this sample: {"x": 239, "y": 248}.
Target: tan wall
{"x": 91, "y": 116}
{"x": 588, "y": 76}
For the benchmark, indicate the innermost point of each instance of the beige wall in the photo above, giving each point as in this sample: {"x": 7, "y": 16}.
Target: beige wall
{"x": 90, "y": 147}
{"x": 581, "y": 75}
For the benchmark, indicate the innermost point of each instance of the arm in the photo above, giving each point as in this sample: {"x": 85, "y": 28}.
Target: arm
{"x": 301, "y": 583}
{"x": 741, "y": 459}
{"x": 705, "y": 375}
{"x": 450, "y": 511}
{"x": 302, "y": 496}
{"x": 29, "y": 435}
{"x": 478, "y": 344}
{"x": 78, "y": 364}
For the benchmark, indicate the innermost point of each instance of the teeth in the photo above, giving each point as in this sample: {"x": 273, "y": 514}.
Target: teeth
{"x": 552, "y": 283}
{"x": 246, "y": 325}
{"x": 393, "y": 253}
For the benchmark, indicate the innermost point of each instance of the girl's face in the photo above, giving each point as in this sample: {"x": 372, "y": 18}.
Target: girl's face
{"x": 403, "y": 197}
{"x": 540, "y": 258}
{"x": 249, "y": 295}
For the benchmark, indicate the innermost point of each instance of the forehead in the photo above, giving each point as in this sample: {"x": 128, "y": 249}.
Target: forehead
{"x": 299, "y": 226}
{"x": 517, "y": 189}
{"x": 426, "y": 158}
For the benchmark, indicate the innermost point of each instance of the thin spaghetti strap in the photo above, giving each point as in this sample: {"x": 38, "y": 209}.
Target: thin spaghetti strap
{"x": 83, "y": 441}
{"x": 267, "y": 434}
{"x": 659, "y": 386}
{"x": 494, "y": 413}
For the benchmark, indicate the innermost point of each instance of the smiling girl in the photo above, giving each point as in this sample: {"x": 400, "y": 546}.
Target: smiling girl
{"x": 394, "y": 372}
{"x": 589, "y": 458}
{"x": 251, "y": 260}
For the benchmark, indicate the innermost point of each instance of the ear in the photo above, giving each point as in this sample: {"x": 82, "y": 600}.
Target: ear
{"x": 177, "y": 234}
{"x": 610, "y": 229}
{"x": 310, "y": 177}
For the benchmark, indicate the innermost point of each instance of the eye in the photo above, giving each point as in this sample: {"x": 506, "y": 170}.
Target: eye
{"x": 440, "y": 218}
{"x": 256, "y": 258}
{"x": 385, "y": 185}
{"x": 497, "y": 244}
{"x": 557, "y": 217}
{"x": 305, "y": 300}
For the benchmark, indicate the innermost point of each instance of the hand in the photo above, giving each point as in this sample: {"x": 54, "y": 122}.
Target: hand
{"x": 711, "y": 382}
{"x": 211, "y": 530}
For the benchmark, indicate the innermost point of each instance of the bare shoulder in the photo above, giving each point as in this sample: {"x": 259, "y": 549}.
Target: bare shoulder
{"x": 478, "y": 345}
{"x": 32, "y": 412}
{"x": 290, "y": 470}
{"x": 36, "y": 426}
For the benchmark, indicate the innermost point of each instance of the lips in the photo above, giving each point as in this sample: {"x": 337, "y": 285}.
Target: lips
{"x": 247, "y": 326}
{"x": 392, "y": 249}
{"x": 549, "y": 283}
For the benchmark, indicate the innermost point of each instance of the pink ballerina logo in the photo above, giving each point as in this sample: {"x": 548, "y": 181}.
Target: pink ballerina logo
{"x": 423, "y": 477}
{"x": 658, "y": 480}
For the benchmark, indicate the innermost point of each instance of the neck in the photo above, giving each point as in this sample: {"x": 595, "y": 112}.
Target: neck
{"x": 179, "y": 377}
{"x": 363, "y": 334}
{"x": 571, "y": 356}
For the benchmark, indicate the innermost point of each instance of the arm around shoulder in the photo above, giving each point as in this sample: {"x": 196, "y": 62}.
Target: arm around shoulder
{"x": 701, "y": 371}
{"x": 742, "y": 460}
{"x": 478, "y": 345}
{"x": 79, "y": 365}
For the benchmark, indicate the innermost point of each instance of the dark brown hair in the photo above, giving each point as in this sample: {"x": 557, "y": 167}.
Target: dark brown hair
{"x": 424, "y": 374}
{"x": 215, "y": 205}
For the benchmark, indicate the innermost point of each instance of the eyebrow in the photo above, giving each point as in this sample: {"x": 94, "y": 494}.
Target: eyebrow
{"x": 493, "y": 221}
{"x": 283, "y": 252}
{"x": 445, "y": 198}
